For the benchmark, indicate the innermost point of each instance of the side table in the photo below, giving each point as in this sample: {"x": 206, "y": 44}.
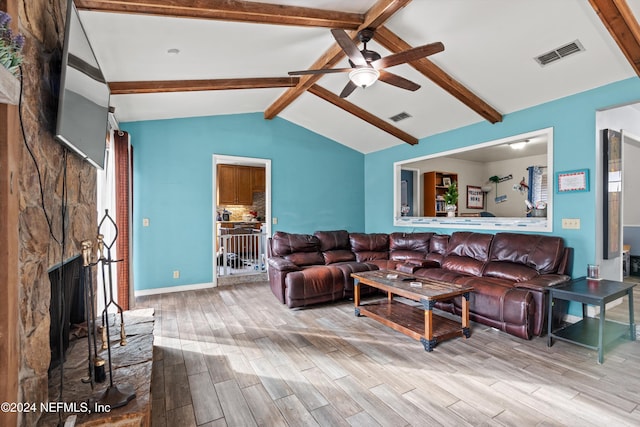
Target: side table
{"x": 591, "y": 332}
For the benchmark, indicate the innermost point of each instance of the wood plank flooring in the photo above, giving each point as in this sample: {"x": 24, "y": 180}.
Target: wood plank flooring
{"x": 235, "y": 356}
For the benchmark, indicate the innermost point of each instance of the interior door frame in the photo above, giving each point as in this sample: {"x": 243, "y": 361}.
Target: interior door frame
{"x": 627, "y": 138}
{"x": 218, "y": 159}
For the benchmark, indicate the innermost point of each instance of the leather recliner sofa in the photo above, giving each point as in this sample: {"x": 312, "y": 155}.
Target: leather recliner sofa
{"x": 510, "y": 272}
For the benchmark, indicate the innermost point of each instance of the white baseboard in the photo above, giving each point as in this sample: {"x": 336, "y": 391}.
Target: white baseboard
{"x": 145, "y": 292}
{"x": 570, "y": 318}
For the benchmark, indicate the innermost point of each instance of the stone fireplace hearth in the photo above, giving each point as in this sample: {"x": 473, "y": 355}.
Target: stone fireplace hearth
{"x": 132, "y": 365}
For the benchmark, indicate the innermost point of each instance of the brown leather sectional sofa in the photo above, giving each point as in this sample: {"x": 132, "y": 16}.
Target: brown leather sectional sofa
{"x": 510, "y": 272}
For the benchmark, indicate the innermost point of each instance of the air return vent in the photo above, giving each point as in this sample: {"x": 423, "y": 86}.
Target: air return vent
{"x": 400, "y": 116}
{"x": 559, "y": 53}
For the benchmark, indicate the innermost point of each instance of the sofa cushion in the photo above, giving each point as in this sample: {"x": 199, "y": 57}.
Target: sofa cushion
{"x": 509, "y": 270}
{"x": 333, "y": 240}
{"x": 469, "y": 244}
{"x": 340, "y": 255}
{"x": 437, "y": 247}
{"x": 463, "y": 264}
{"x": 305, "y": 258}
{"x": 438, "y": 274}
{"x": 404, "y": 246}
{"x": 301, "y": 249}
{"x": 467, "y": 252}
{"x": 369, "y": 247}
{"x": 543, "y": 253}
{"x": 335, "y": 246}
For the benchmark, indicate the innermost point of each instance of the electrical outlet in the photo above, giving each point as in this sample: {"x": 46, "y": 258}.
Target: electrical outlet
{"x": 176, "y": 274}
{"x": 571, "y": 223}
{"x": 274, "y": 221}
{"x": 145, "y": 222}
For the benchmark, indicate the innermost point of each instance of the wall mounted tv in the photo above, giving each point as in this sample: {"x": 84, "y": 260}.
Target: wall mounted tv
{"x": 83, "y": 106}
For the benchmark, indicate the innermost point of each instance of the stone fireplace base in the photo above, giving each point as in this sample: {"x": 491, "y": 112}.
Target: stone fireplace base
{"x": 132, "y": 365}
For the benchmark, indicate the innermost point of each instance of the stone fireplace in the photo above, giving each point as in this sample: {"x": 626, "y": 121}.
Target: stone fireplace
{"x": 40, "y": 180}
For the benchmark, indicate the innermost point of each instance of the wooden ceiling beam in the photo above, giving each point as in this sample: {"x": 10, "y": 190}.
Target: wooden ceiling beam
{"x": 362, "y": 114}
{"x": 229, "y": 10}
{"x": 138, "y": 87}
{"x": 395, "y": 44}
{"x": 374, "y": 17}
{"x": 623, "y": 26}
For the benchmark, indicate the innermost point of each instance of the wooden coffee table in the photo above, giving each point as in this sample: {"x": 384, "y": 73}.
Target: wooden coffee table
{"x": 419, "y": 323}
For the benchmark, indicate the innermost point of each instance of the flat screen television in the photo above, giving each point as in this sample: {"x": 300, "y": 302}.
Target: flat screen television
{"x": 83, "y": 105}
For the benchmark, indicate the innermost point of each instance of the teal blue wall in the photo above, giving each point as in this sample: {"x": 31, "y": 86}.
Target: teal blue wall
{"x": 317, "y": 184}
{"x": 573, "y": 122}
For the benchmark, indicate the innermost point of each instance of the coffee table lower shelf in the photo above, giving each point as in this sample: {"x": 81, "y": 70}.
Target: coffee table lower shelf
{"x": 410, "y": 320}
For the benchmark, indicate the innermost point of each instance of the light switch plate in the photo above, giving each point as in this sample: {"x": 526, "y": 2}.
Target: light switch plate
{"x": 571, "y": 223}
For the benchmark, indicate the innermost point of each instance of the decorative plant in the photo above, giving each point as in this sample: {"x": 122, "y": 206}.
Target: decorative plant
{"x": 495, "y": 179}
{"x": 10, "y": 45}
{"x": 451, "y": 196}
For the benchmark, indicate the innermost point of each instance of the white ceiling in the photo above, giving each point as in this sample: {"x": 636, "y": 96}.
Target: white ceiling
{"x": 489, "y": 48}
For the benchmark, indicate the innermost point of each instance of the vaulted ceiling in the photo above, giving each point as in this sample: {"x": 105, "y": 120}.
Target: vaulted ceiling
{"x": 183, "y": 58}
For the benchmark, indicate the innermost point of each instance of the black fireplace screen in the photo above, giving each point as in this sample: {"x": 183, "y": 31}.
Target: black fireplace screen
{"x": 65, "y": 280}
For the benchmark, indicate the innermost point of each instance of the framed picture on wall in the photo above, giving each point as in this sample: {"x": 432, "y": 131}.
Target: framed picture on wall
{"x": 475, "y": 197}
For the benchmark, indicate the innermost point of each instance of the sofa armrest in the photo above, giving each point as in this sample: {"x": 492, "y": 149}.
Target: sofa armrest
{"x": 411, "y": 265}
{"x": 543, "y": 282}
{"x": 282, "y": 264}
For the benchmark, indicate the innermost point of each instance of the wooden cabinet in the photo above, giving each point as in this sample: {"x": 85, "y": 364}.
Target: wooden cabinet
{"x": 433, "y": 192}
{"x": 258, "y": 179}
{"x": 234, "y": 185}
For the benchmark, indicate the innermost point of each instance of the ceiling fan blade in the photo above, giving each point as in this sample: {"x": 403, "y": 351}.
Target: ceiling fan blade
{"x": 349, "y": 47}
{"x": 350, "y": 87}
{"x": 408, "y": 55}
{"x": 396, "y": 80}
{"x": 320, "y": 71}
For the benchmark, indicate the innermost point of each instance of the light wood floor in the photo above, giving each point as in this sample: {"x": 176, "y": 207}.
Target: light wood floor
{"x": 235, "y": 356}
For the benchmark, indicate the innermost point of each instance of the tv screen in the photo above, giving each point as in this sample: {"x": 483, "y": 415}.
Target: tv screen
{"x": 83, "y": 105}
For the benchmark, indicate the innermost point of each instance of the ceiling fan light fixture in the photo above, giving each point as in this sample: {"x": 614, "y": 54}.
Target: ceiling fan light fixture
{"x": 364, "y": 77}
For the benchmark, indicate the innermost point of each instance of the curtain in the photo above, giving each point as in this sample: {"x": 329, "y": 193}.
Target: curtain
{"x": 123, "y": 162}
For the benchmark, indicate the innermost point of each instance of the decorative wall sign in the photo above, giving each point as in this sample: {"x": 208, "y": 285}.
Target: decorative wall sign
{"x": 577, "y": 180}
{"x": 475, "y": 197}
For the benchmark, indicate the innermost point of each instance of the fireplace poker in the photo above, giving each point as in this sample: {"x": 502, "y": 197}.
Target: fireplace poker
{"x": 96, "y": 363}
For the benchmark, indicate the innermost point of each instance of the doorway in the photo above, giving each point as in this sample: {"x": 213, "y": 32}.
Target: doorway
{"x": 241, "y": 206}
{"x": 630, "y": 205}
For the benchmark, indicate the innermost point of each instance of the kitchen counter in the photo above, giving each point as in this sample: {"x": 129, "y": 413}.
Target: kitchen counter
{"x": 240, "y": 224}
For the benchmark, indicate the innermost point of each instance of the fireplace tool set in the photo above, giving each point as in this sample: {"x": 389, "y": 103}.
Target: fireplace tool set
{"x": 116, "y": 395}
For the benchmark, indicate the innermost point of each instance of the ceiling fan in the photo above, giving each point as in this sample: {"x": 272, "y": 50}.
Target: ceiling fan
{"x": 368, "y": 66}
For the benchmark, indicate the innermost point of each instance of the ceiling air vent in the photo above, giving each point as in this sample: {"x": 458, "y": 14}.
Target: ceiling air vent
{"x": 559, "y": 53}
{"x": 400, "y": 116}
